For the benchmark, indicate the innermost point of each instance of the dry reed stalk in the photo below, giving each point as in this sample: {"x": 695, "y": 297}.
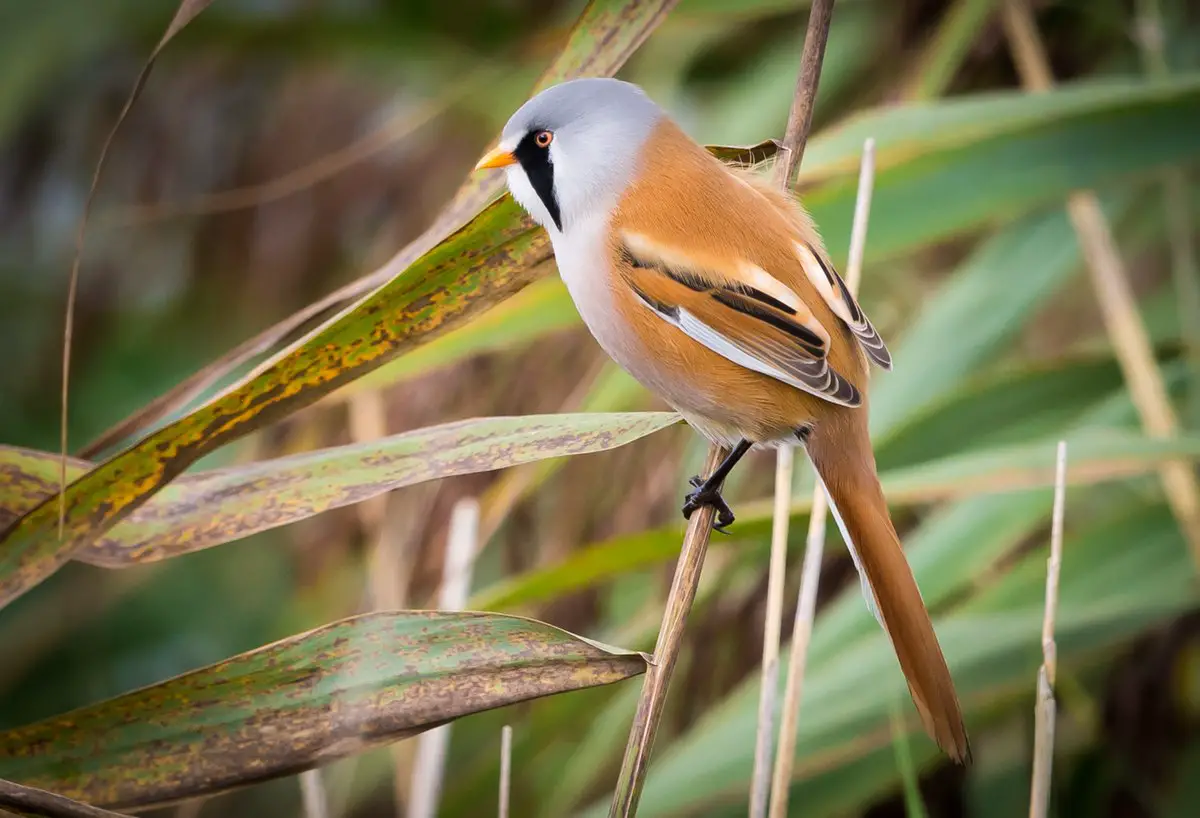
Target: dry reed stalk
{"x": 760, "y": 783}
{"x": 666, "y": 653}
{"x": 368, "y": 422}
{"x": 814, "y": 547}
{"x": 794, "y": 141}
{"x": 430, "y": 763}
{"x": 1110, "y": 282}
{"x": 387, "y": 575}
{"x": 505, "y": 770}
{"x": 695, "y": 540}
{"x": 312, "y": 793}
{"x": 1046, "y": 710}
{"x": 188, "y": 809}
{"x": 1150, "y": 34}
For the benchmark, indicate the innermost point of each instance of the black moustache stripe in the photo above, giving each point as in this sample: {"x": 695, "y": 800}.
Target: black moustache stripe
{"x": 535, "y": 161}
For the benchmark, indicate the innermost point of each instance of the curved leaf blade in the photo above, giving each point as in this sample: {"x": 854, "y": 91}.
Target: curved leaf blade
{"x": 487, "y": 260}
{"x": 209, "y": 508}
{"x": 306, "y": 700}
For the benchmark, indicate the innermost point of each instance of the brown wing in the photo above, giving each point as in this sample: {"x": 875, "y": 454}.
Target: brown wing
{"x": 820, "y": 272}
{"x": 744, "y": 315}
{"x": 837, "y": 295}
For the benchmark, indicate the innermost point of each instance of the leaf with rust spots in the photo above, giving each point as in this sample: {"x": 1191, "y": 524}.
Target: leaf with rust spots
{"x": 487, "y": 260}
{"x": 306, "y": 700}
{"x": 201, "y": 510}
{"x": 602, "y": 39}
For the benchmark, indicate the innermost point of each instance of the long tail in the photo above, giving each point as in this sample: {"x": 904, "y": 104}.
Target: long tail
{"x": 841, "y": 453}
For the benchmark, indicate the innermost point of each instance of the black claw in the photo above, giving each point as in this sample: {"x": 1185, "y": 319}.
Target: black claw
{"x": 695, "y": 481}
{"x": 703, "y": 496}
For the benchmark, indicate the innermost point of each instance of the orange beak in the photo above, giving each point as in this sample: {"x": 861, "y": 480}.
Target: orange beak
{"x": 498, "y": 157}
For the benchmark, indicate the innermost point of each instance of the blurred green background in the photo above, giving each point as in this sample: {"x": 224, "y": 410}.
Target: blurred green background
{"x": 284, "y": 147}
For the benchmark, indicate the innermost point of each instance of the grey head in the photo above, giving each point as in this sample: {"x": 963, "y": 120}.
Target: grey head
{"x": 570, "y": 152}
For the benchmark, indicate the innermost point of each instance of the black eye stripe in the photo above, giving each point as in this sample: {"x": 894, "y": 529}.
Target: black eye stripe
{"x": 535, "y": 161}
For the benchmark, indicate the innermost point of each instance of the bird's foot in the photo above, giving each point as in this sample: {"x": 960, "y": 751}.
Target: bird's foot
{"x": 706, "y": 495}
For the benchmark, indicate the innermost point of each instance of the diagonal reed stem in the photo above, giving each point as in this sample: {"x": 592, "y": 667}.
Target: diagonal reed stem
{"x": 1110, "y": 283}
{"x": 666, "y": 652}
{"x": 695, "y": 540}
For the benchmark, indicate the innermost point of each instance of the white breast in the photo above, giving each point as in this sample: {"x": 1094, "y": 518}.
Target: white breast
{"x": 582, "y": 256}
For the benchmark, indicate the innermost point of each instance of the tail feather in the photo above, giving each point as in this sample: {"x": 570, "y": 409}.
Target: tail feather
{"x": 847, "y": 470}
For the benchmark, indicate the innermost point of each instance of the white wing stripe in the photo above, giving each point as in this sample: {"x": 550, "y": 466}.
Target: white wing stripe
{"x": 726, "y": 348}
{"x": 721, "y": 345}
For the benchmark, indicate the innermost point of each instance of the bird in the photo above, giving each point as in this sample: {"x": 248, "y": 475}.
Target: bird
{"x": 713, "y": 288}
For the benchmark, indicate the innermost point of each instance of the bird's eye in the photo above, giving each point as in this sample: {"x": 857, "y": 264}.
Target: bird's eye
{"x": 543, "y": 139}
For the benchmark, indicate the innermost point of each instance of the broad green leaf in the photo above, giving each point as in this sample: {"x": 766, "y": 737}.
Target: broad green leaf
{"x": 1004, "y": 408}
{"x": 306, "y": 700}
{"x": 982, "y": 309}
{"x": 1096, "y": 456}
{"x": 209, "y": 508}
{"x": 1030, "y": 149}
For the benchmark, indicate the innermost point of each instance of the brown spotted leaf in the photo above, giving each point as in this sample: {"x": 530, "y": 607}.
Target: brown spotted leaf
{"x": 306, "y": 700}
{"x": 209, "y": 508}
{"x": 488, "y": 259}
{"x": 602, "y": 39}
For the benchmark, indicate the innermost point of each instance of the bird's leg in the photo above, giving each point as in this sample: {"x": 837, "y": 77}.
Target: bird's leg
{"x": 708, "y": 491}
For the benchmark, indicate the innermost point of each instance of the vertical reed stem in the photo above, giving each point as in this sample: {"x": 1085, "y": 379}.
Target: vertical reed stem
{"x": 429, "y": 767}
{"x": 1046, "y": 709}
{"x": 810, "y": 572}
